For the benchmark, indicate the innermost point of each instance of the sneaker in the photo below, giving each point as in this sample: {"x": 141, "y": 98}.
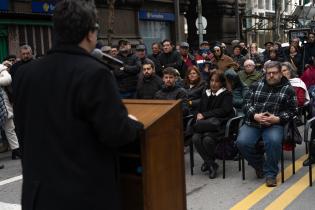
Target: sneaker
{"x": 271, "y": 182}
{"x": 259, "y": 173}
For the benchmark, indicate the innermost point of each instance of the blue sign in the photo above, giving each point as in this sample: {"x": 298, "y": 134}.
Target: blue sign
{"x": 4, "y": 4}
{"x": 161, "y": 16}
{"x": 43, "y": 6}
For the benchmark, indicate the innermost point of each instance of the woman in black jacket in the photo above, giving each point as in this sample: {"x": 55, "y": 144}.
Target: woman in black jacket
{"x": 194, "y": 87}
{"x": 215, "y": 103}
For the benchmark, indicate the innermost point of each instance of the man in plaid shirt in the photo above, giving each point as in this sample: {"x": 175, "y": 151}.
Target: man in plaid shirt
{"x": 269, "y": 105}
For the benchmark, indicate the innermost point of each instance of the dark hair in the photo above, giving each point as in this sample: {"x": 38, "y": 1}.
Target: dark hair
{"x": 170, "y": 70}
{"x": 220, "y": 76}
{"x": 9, "y": 57}
{"x": 73, "y": 19}
{"x": 167, "y": 40}
{"x": 190, "y": 69}
{"x": 156, "y": 43}
{"x": 148, "y": 62}
{"x": 271, "y": 64}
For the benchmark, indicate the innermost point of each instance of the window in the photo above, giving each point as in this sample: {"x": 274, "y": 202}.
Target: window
{"x": 260, "y": 4}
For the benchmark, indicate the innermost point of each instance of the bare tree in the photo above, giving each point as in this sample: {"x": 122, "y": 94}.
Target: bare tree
{"x": 111, "y": 20}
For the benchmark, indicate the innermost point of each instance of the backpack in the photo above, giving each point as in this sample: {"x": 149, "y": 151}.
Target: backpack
{"x": 3, "y": 109}
{"x": 230, "y": 150}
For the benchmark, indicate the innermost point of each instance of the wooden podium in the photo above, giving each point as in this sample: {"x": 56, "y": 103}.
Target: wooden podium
{"x": 152, "y": 170}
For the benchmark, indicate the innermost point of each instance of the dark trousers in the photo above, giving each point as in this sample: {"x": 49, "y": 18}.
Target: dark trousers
{"x": 205, "y": 145}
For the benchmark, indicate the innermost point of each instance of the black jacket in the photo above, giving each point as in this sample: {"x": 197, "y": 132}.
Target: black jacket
{"x": 158, "y": 67}
{"x": 174, "y": 93}
{"x": 194, "y": 94}
{"x": 127, "y": 79}
{"x": 147, "y": 87}
{"x": 70, "y": 121}
{"x": 172, "y": 59}
{"x": 216, "y": 106}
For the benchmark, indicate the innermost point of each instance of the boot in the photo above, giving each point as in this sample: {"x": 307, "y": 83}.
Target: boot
{"x": 1, "y": 166}
{"x": 16, "y": 154}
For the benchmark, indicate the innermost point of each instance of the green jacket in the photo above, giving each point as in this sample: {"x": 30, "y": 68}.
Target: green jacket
{"x": 249, "y": 79}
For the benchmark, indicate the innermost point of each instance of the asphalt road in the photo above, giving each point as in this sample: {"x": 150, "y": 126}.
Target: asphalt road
{"x": 204, "y": 193}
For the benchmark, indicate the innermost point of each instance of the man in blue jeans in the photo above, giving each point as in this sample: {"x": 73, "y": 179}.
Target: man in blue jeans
{"x": 270, "y": 103}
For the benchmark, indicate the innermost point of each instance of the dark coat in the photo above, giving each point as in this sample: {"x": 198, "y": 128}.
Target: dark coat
{"x": 157, "y": 64}
{"x": 174, "y": 93}
{"x": 128, "y": 78}
{"x": 70, "y": 121}
{"x": 194, "y": 94}
{"x": 147, "y": 87}
{"x": 172, "y": 59}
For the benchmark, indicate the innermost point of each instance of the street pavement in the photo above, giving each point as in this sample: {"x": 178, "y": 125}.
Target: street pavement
{"x": 204, "y": 193}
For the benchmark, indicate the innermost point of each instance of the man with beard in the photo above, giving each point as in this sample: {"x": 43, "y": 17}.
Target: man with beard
{"x": 309, "y": 50}
{"x": 150, "y": 83}
{"x": 269, "y": 105}
{"x": 25, "y": 56}
{"x": 171, "y": 91}
{"x": 222, "y": 61}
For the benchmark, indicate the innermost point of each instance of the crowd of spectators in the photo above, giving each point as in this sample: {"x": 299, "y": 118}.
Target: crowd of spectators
{"x": 266, "y": 86}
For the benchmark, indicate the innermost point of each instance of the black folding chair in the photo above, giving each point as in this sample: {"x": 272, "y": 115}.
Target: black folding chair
{"x": 308, "y": 140}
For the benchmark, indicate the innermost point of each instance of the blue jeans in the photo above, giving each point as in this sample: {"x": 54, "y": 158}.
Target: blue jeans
{"x": 272, "y": 137}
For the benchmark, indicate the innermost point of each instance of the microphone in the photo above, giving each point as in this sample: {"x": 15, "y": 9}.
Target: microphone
{"x": 108, "y": 59}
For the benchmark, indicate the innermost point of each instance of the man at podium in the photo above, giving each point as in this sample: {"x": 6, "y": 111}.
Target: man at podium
{"x": 70, "y": 119}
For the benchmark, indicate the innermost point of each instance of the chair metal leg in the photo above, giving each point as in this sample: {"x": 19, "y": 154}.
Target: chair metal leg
{"x": 223, "y": 159}
{"x": 191, "y": 156}
{"x": 293, "y": 160}
{"x": 239, "y": 162}
{"x": 310, "y": 174}
{"x": 282, "y": 166}
{"x": 243, "y": 168}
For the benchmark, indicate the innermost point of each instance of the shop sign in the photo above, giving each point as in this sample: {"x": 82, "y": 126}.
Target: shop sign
{"x": 4, "y": 5}
{"x": 161, "y": 16}
{"x": 43, "y": 6}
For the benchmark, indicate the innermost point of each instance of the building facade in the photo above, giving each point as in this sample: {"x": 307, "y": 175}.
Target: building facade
{"x": 140, "y": 21}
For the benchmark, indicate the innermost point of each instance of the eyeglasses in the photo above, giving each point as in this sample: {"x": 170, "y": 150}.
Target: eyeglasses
{"x": 272, "y": 73}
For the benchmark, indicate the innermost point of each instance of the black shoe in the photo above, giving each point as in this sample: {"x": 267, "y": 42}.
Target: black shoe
{"x": 259, "y": 173}
{"x": 204, "y": 167}
{"x": 271, "y": 182}
{"x": 213, "y": 170}
{"x": 16, "y": 154}
{"x": 309, "y": 161}
{"x": 1, "y": 166}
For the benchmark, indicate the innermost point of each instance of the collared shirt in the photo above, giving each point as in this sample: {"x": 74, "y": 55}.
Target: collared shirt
{"x": 209, "y": 92}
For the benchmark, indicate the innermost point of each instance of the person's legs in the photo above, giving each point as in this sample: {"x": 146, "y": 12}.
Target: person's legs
{"x": 12, "y": 138}
{"x": 209, "y": 144}
{"x": 246, "y": 141}
{"x": 272, "y": 137}
{"x": 311, "y": 148}
{"x": 197, "y": 140}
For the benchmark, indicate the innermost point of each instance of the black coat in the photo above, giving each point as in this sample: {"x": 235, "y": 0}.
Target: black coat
{"x": 70, "y": 121}
{"x": 172, "y": 59}
{"x": 194, "y": 94}
{"x": 128, "y": 78}
{"x": 147, "y": 87}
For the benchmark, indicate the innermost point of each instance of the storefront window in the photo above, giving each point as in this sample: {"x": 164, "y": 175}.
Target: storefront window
{"x": 154, "y": 31}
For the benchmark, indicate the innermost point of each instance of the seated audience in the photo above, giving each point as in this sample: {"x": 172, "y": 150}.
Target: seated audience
{"x": 194, "y": 87}
{"x": 215, "y": 104}
{"x": 290, "y": 72}
{"x": 171, "y": 91}
{"x": 249, "y": 75}
{"x": 149, "y": 83}
{"x": 237, "y": 88}
{"x": 269, "y": 105}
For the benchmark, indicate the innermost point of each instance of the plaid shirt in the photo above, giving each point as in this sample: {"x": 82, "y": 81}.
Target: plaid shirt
{"x": 279, "y": 100}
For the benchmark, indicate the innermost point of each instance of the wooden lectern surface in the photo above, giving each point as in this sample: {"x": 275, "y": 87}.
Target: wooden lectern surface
{"x": 149, "y": 111}
{"x": 161, "y": 184}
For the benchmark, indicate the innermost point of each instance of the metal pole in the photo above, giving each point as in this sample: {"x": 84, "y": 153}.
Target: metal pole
{"x": 237, "y": 21}
{"x": 177, "y": 21}
{"x": 200, "y": 27}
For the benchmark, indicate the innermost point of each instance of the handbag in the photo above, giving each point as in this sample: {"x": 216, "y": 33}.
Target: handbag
{"x": 206, "y": 125}
{"x": 294, "y": 136}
